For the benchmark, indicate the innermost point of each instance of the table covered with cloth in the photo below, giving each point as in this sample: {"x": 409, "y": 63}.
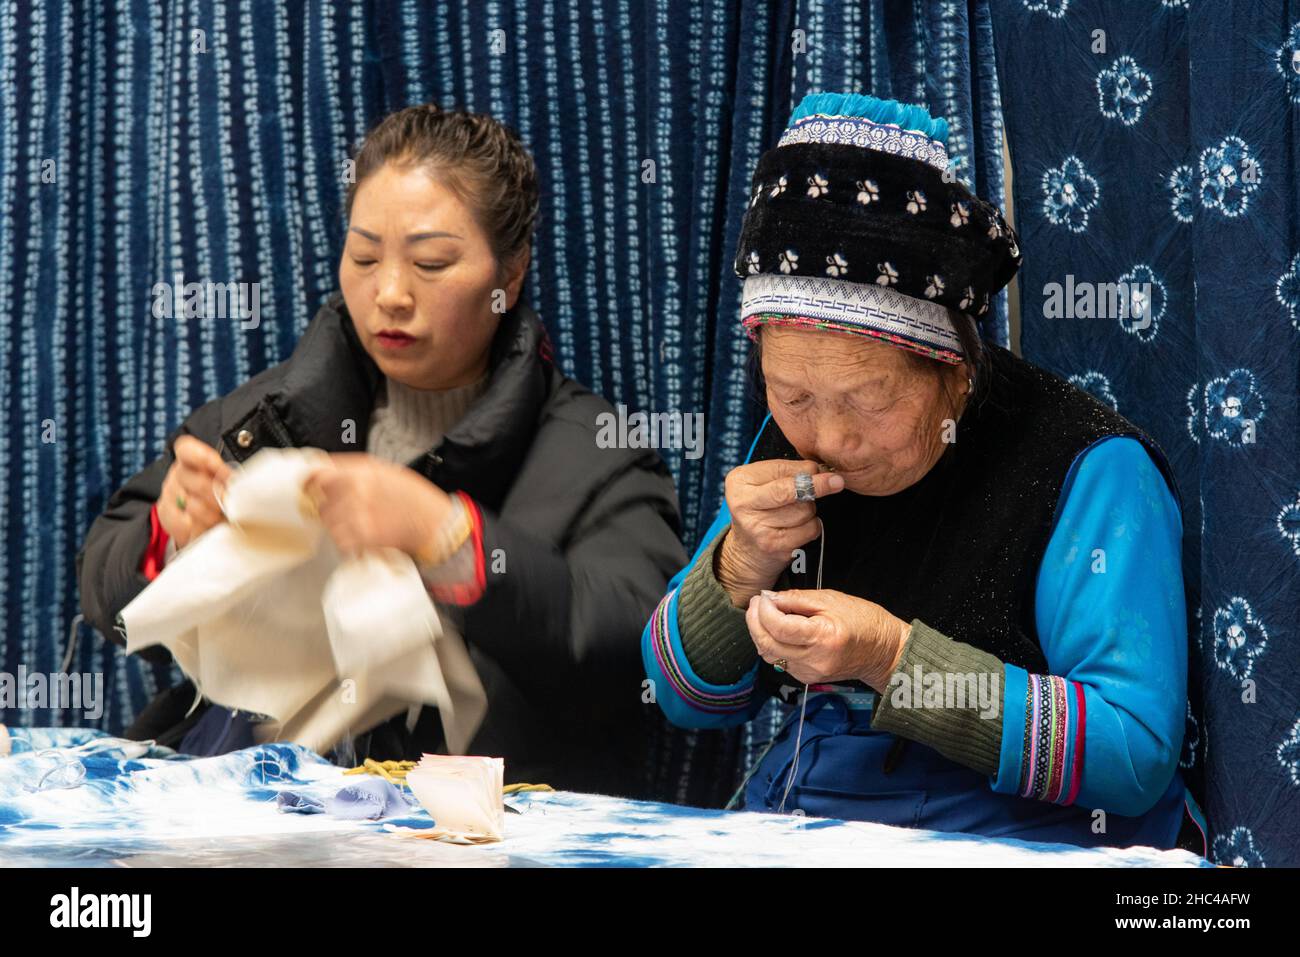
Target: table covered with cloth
{"x": 132, "y": 804}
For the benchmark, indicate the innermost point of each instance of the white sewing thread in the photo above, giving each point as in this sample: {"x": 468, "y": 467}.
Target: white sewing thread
{"x": 803, "y": 704}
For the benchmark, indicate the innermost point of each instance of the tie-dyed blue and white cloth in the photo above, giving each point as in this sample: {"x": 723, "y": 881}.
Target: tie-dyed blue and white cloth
{"x": 76, "y": 797}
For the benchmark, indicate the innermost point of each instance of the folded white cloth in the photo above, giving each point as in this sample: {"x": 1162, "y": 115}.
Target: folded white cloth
{"x": 461, "y": 794}
{"x": 264, "y": 615}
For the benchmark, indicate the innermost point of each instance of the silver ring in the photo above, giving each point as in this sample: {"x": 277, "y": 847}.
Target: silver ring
{"x": 803, "y": 488}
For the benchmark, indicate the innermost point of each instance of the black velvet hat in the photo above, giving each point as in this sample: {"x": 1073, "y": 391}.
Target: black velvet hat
{"x": 853, "y": 226}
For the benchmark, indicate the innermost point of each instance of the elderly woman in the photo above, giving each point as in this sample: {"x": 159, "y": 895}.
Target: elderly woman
{"x": 962, "y": 572}
{"x": 455, "y": 439}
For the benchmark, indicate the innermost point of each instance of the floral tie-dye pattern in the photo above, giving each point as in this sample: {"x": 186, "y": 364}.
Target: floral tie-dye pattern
{"x": 1169, "y": 155}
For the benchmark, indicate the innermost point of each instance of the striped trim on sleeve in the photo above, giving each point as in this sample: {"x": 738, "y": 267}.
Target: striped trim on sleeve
{"x": 672, "y": 662}
{"x": 1052, "y": 753}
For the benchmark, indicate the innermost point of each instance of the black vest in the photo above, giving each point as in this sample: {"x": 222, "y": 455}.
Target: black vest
{"x": 960, "y": 549}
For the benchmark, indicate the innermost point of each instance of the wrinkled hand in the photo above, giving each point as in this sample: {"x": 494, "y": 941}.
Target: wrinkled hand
{"x": 767, "y": 524}
{"x": 826, "y": 636}
{"x": 366, "y": 502}
{"x": 196, "y": 476}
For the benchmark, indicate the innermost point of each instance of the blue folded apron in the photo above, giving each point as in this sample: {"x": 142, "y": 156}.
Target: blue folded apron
{"x": 841, "y": 773}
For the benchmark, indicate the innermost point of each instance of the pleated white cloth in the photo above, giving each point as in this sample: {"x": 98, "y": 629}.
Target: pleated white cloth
{"x": 265, "y": 615}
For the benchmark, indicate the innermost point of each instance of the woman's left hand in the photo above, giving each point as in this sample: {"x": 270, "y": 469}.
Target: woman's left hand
{"x": 366, "y": 502}
{"x": 826, "y": 636}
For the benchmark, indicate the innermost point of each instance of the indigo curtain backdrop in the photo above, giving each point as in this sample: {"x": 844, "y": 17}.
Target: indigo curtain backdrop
{"x": 148, "y": 141}
{"x": 1169, "y": 156}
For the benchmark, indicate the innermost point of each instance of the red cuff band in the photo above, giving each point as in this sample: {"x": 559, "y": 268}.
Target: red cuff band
{"x": 156, "y": 553}
{"x": 467, "y": 592}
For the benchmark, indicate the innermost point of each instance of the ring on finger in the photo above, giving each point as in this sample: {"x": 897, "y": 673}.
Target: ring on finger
{"x": 780, "y": 665}
{"x": 180, "y": 502}
{"x": 803, "y": 488}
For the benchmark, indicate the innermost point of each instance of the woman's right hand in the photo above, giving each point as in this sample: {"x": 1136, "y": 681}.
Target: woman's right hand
{"x": 767, "y": 524}
{"x": 191, "y": 478}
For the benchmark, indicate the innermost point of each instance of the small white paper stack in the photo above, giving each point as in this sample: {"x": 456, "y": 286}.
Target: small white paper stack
{"x": 461, "y": 794}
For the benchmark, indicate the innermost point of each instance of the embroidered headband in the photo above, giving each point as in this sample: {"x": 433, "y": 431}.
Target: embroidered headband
{"x": 853, "y": 227}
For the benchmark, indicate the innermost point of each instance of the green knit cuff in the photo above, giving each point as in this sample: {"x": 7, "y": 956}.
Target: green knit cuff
{"x": 714, "y": 635}
{"x": 958, "y": 712}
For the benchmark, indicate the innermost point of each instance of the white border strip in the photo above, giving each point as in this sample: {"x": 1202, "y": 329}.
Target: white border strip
{"x": 859, "y": 304}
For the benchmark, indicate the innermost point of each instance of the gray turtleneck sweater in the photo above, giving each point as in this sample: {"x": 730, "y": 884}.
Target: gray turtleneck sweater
{"x": 408, "y": 422}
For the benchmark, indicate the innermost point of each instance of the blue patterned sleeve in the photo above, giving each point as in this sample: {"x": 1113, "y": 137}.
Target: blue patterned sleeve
{"x": 687, "y": 700}
{"x": 1104, "y": 728}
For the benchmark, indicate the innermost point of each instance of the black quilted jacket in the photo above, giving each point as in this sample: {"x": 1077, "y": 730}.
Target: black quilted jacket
{"x": 589, "y": 538}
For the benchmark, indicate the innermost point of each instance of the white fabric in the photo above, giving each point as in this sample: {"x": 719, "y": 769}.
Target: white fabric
{"x": 264, "y": 615}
